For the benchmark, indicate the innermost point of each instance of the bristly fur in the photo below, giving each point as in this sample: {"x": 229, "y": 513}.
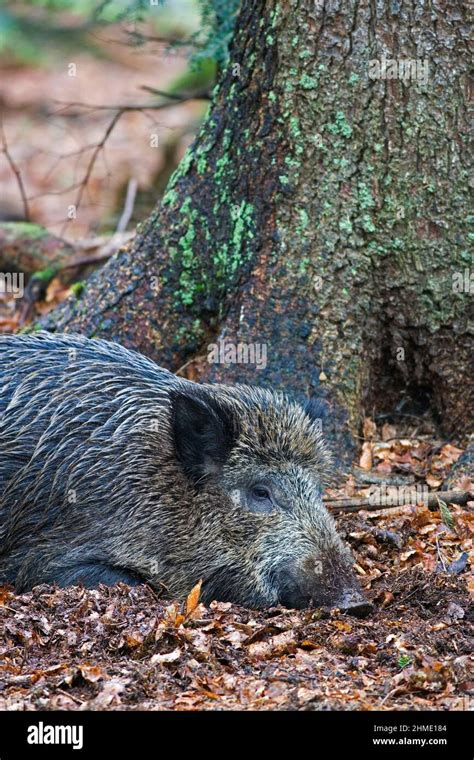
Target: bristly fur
{"x": 112, "y": 468}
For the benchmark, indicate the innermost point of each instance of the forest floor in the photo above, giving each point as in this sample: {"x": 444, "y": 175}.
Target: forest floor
{"x": 125, "y": 648}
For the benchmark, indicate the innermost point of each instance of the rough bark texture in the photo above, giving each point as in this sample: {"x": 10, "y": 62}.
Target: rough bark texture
{"x": 319, "y": 211}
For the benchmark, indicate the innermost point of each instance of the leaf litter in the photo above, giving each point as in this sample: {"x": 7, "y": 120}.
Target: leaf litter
{"x": 123, "y": 648}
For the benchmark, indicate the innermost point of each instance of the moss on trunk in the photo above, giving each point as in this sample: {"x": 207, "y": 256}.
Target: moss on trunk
{"x": 321, "y": 211}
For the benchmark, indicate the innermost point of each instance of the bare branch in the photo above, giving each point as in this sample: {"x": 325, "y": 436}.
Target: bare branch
{"x": 94, "y": 156}
{"x": 120, "y": 110}
{"x": 130, "y": 106}
{"x": 128, "y": 206}
{"x": 108, "y": 248}
{"x": 15, "y": 170}
{"x": 141, "y": 37}
{"x": 204, "y": 95}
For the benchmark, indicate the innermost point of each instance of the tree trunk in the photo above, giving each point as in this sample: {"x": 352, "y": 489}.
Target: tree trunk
{"x": 322, "y": 210}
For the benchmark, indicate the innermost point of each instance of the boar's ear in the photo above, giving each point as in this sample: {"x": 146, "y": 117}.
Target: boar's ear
{"x": 204, "y": 432}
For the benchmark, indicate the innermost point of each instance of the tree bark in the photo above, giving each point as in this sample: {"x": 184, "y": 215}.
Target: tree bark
{"x": 319, "y": 211}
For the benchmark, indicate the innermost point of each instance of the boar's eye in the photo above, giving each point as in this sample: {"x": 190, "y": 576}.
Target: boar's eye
{"x": 260, "y": 499}
{"x": 261, "y": 492}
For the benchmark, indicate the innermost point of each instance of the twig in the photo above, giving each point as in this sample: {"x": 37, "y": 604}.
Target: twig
{"x": 139, "y": 36}
{"x": 10, "y": 609}
{"x": 376, "y": 478}
{"x": 440, "y": 556}
{"x": 162, "y": 93}
{"x": 203, "y": 95}
{"x": 70, "y": 696}
{"x": 95, "y": 153}
{"x": 392, "y": 693}
{"x": 410, "y": 496}
{"x": 190, "y": 361}
{"x": 109, "y": 247}
{"x": 120, "y": 110}
{"x": 128, "y": 206}
{"x": 16, "y": 172}
{"x": 126, "y": 106}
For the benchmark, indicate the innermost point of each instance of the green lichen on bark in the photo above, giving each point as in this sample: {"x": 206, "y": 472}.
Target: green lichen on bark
{"x": 319, "y": 211}
{"x": 201, "y": 241}
{"x": 382, "y": 192}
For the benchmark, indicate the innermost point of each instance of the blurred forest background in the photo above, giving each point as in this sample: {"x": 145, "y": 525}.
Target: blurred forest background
{"x": 65, "y": 65}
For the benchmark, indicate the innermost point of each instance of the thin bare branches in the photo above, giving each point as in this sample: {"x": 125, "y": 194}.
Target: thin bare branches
{"x": 204, "y": 95}
{"x": 119, "y": 111}
{"x": 132, "y": 106}
{"x": 95, "y": 154}
{"x": 15, "y": 170}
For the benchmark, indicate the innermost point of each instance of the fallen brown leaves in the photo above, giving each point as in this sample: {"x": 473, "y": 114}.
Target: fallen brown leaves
{"x": 122, "y": 648}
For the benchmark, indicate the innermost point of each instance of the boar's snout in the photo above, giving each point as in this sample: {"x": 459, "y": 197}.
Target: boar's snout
{"x": 355, "y": 603}
{"x": 299, "y": 589}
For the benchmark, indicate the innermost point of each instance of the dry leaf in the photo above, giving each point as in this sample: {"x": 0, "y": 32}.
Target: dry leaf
{"x": 365, "y": 461}
{"x": 388, "y": 432}
{"x": 369, "y": 429}
{"x": 275, "y": 647}
{"x": 161, "y": 659}
{"x": 306, "y": 695}
{"x": 5, "y": 595}
{"x": 91, "y": 673}
{"x": 193, "y": 598}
